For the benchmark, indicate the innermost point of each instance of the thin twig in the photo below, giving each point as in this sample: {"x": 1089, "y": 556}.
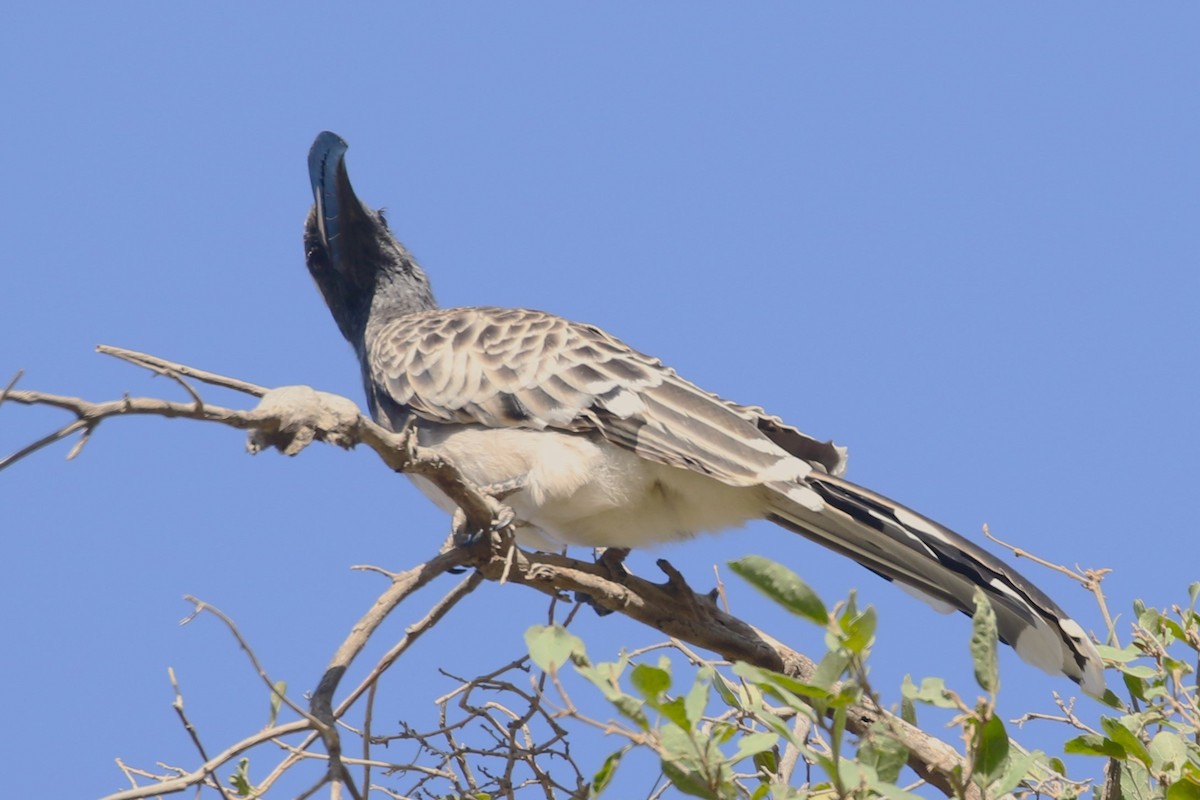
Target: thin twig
{"x": 1091, "y": 579}
{"x": 368, "y": 713}
{"x": 177, "y": 704}
{"x": 192, "y": 778}
{"x": 154, "y": 363}
{"x": 11, "y": 384}
{"x": 49, "y": 439}
{"x": 1021, "y": 553}
{"x": 90, "y": 414}
{"x": 403, "y": 585}
{"x": 672, "y": 608}
{"x": 411, "y": 634}
{"x": 202, "y": 606}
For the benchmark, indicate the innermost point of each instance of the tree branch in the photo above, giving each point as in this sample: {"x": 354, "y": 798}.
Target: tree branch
{"x": 291, "y": 418}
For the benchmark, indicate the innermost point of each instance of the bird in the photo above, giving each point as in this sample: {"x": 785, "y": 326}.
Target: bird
{"x": 593, "y": 443}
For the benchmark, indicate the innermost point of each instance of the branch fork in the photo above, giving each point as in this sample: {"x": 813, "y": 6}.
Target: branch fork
{"x": 291, "y": 418}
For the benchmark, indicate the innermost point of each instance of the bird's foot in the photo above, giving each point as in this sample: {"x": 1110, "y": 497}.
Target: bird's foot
{"x": 465, "y": 535}
{"x": 613, "y": 560}
{"x": 585, "y": 599}
{"x": 504, "y": 489}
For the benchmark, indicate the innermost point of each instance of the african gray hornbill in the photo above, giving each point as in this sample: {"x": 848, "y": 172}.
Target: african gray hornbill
{"x": 594, "y": 443}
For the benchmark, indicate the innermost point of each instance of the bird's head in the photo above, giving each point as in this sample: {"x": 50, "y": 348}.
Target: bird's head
{"x": 362, "y": 270}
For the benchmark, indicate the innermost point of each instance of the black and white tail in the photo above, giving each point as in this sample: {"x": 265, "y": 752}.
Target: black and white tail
{"x": 943, "y": 569}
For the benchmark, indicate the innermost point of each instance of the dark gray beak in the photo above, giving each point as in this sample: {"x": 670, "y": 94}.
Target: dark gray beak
{"x": 334, "y": 196}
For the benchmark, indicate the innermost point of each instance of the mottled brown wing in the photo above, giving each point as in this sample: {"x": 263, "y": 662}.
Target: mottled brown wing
{"x": 520, "y": 368}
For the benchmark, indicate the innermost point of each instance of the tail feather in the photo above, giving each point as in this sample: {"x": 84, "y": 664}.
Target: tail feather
{"x": 942, "y": 568}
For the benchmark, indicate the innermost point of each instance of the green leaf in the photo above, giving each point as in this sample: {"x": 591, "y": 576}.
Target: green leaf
{"x": 932, "y": 691}
{"x": 240, "y": 780}
{"x": 1018, "y": 768}
{"x": 722, "y": 732}
{"x": 551, "y": 646}
{"x": 1136, "y": 783}
{"x": 682, "y": 745}
{"x": 631, "y": 709}
{"x": 605, "y": 676}
{"x": 990, "y": 757}
{"x": 1168, "y": 754}
{"x": 767, "y": 762}
{"x": 686, "y": 780}
{"x": 1149, "y": 619}
{"x": 1183, "y": 789}
{"x": 604, "y": 775}
{"x": 908, "y": 709}
{"x": 984, "y": 643}
{"x": 894, "y": 792}
{"x": 279, "y": 689}
{"x": 855, "y": 773}
{"x": 752, "y": 744}
{"x": 650, "y": 682}
{"x": 1093, "y": 744}
{"x": 884, "y": 752}
{"x": 1140, "y": 671}
{"x": 1122, "y": 655}
{"x": 1174, "y": 665}
{"x": 1137, "y": 687}
{"x": 831, "y": 669}
{"x": 728, "y": 696}
{"x": 696, "y": 701}
{"x": 783, "y": 586}
{"x": 791, "y": 691}
{"x": 1175, "y": 629}
{"x": 858, "y": 630}
{"x": 1126, "y": 738}
{"x": 675, "y": 711}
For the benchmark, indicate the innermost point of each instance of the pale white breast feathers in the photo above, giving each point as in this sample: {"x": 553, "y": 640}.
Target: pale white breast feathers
{"x": 585, "y": 491}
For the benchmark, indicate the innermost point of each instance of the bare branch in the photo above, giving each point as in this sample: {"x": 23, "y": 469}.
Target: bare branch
{"x": 89, "y": 415}
{"x": 403, "y": 585}
{"x": 164, "y": 367}
{"x": 290, "y": 418}
{"x": 49, "y": 439}
{"x": 196, "y": 776}
{"x": 192, "y": 732}
{"x": 11, "y": 384}
{"x": 201, "y": 607}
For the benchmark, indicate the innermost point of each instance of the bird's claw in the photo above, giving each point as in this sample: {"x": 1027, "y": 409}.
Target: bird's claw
{"x": 465, "y": 536}
{"x": 613, "y": 560}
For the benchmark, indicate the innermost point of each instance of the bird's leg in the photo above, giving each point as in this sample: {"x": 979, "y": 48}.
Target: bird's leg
{"x": 463, "y": 535}
{"x": 504, "y": 489}
{"x": 504, "y": 516}
{"x": 613, "y": 560}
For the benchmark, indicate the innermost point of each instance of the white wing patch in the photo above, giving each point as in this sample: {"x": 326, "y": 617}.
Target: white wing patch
{"x": 938, "y": 605}
{"x": 917, "y": 522}
{"x": 1040, "y": 645}
{"x": 625, "y": 404}
{"x": 806, "y": 497}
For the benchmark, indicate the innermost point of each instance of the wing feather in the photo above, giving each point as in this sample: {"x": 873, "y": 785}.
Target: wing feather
{"x": 506, "y": 368}
{"x": 520, "y": 368}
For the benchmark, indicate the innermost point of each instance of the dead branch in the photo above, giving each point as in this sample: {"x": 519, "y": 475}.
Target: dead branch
{"x": 291, "y": 418}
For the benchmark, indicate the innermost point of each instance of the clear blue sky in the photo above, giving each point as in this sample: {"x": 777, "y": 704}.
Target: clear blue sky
{"x": 960, "y": 240}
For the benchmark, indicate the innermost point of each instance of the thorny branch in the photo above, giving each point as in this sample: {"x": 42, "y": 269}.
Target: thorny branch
{"x": 290, "y": 418}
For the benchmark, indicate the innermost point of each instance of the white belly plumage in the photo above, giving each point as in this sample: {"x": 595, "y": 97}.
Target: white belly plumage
{"x": 581, "y": 491}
